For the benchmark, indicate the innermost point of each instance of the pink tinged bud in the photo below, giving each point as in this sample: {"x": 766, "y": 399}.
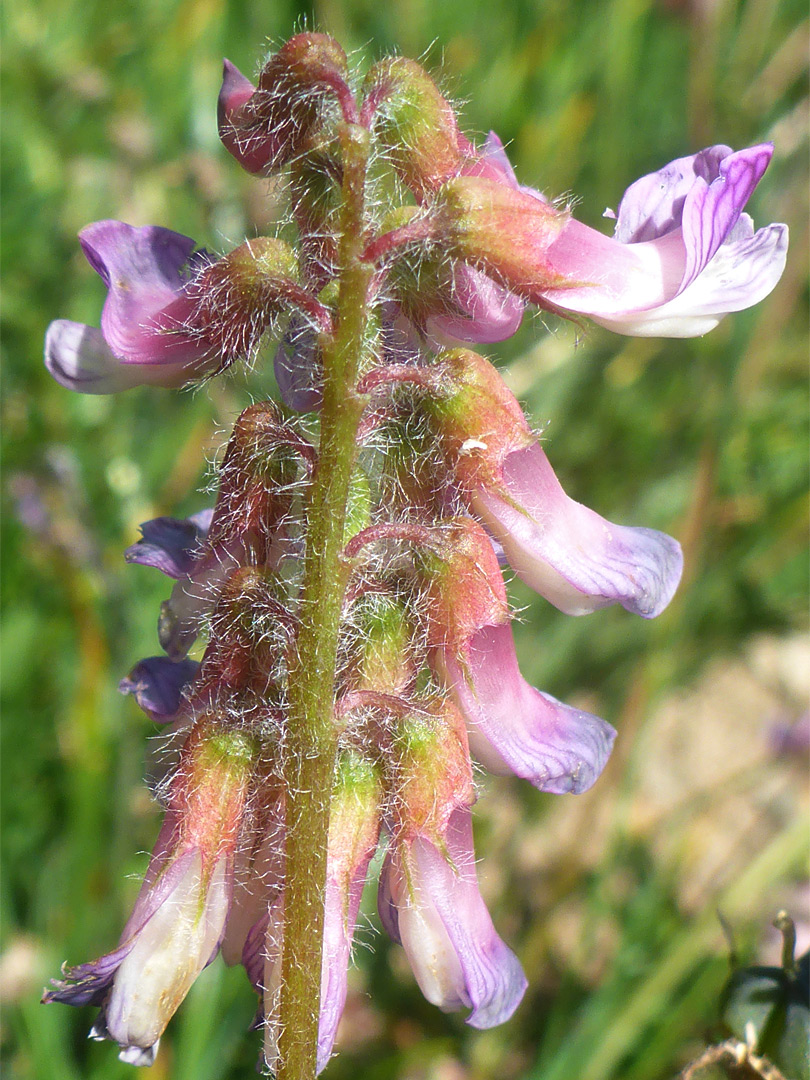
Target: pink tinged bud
{"x": 429, "y": 901}
{"x": 169, "y": 952}
{"x": 414, "y": 123}
{"x": 353, "y": 834}
{"x": 252, "y": 152}
{"x": 266, "y": 126}
{"x": 569, "y": 554}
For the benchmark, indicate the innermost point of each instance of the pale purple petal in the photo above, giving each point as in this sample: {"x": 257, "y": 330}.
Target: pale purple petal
{"x": 743, "y": 272}
{"x": 568, "y": 553}
{"x": 145, "y": 270}
{"x": 515, "y": 729}
{"x": 683, "y": 255}
{"x": 653, "y": 205}
{"x": 158, "y": 685}
{"x": 143, "y": 1056}
{"x": 447, "y": 933}
{"x": 712, "y": 209}
{"x": 87, "y": 984}
{"x": 481, "y": 310}
{"x": 170, "y": 544}
{"x": 180, "y": 937}
{"x": 78, "y": 357}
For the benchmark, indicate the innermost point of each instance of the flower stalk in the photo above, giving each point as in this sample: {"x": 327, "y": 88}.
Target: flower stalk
{"x": 312, "y": 731}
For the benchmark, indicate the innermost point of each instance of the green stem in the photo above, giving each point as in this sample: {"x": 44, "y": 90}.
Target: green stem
{"x": 312, "y": 741}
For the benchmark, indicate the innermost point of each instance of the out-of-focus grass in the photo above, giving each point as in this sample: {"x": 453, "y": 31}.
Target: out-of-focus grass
{"x": 610, "y": 899}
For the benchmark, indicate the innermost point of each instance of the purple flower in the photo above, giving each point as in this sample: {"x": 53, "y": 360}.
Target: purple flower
{"x": 568, "y": 553}
{"x": 179, "y": 917}
{"x": 683, "y": 255}
{"x": 169, "y": 544}
{"x": 158, "y": 685}
{"x": 177, "y": 547}
{"x": 429, "y": 902}
{"x": 512, "y": 728}
{"x": 145, "y": 337}
{"x": 516, "y": 730}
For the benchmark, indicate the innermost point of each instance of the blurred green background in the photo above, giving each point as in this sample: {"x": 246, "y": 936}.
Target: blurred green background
{"x": 610, "y": 898}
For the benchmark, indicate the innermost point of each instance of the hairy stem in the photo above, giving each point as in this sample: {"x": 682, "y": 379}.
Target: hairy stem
{"x": 312, "y": 738}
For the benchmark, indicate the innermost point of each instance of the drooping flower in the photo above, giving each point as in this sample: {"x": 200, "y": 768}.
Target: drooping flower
{"x": 563, "y": 550}
{"x": 144, "y": 337}
{"x": 429, "y": 900}
{"x": 683, "y": 255}
{"x": 512, "y": 727}
{"x": 179, "y": 917}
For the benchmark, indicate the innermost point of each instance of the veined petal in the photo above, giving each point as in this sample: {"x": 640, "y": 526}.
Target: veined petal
{"x": 711, "y": 210}
{"x": 515, "y": 729}
{"x": 486, "y": 311}
{"x": 457, "y": 957}
{"x": 742, "y": 273}
{"x": 653, "y": 205}
{"x": 568, "y": 553}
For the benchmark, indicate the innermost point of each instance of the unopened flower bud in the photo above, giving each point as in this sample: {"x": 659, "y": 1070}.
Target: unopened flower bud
{"x": 275, "y": 122}
{"x": 382, "y": 660}
{"x": 239, "y": 297}
{"x": 415, "y": 123}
